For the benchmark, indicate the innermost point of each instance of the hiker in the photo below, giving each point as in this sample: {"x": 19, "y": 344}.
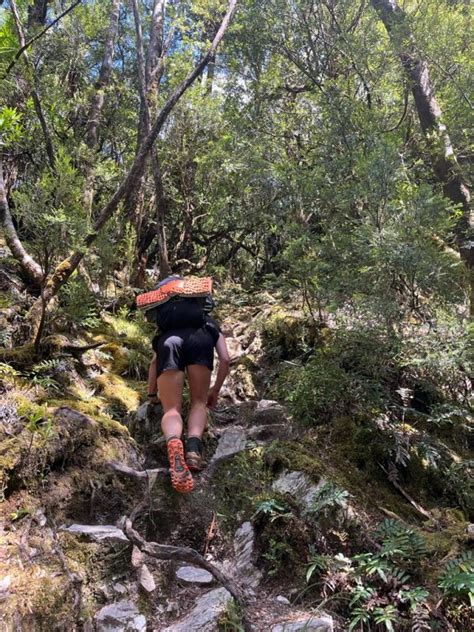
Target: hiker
{"x": 185, "y": 344}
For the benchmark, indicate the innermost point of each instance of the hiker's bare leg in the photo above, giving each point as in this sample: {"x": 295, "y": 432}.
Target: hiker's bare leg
{"x": 170, "y": 387}
{"x": 199, "y": 379}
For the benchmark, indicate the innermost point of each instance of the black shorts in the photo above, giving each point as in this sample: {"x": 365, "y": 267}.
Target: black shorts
{"x": 178, "y": 348}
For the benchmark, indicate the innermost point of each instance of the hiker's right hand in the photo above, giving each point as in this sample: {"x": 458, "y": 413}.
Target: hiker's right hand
{"x": 212, "y": 398}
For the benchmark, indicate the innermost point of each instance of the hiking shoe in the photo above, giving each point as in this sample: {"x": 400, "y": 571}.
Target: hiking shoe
{"x": 181, "y": 477}
{"x": 194, "y": 461}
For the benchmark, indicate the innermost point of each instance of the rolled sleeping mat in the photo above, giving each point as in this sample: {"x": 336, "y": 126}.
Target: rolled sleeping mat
{"x": 191, "y": 287}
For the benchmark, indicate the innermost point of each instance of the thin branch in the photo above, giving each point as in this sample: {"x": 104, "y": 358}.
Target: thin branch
{"x": 27, "y": 44}
{"x": 29, "y": 265}
{"x": 417, "y": 506}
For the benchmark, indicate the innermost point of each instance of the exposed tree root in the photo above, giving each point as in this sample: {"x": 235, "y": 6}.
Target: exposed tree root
{"x": 183, "y": 554}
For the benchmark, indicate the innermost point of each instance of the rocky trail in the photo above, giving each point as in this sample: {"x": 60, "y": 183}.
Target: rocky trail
{"x": 106, "y": 544}
{"x": 95, "y": 539}
{"x": 189, "y": 593}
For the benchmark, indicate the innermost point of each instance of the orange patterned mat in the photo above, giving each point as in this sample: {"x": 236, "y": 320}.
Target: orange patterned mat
{"x": 193, "y": 287}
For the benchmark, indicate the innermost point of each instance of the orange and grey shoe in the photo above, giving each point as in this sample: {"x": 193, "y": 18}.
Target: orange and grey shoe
{"x": 194, "y": 461}
{"x": 181, "y": 477}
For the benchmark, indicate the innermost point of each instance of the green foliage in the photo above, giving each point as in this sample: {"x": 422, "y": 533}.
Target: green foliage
{"x": 39, "y": 374}
{"x": 400, "y": 542}
{"x": 348, "y": 373}
{"x": 10, "y": 128}
{"x": 272, "y": 509}
{"x": 78, "y": 305}
{"x": 277, "y": 554}
{"x": 327, "y": 497}
{"x": 376, "y": 587}
{"x": 231, "y": 620}
{"x": 457, "y": 577}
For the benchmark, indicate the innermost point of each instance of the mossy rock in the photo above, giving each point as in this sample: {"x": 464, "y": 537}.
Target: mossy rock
{"x": 120, "y": 395}
{"x": 298, "y": 457}
{"x": 20, "y": 357}
{"x": 287, "y": 335}
{"x": 94, "y": 408}
{"x": 40, "y": 601}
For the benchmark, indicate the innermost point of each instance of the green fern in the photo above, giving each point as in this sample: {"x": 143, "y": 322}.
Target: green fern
{"x": 46, "y": 366}
{"x": 327, "y": 497}
{"x": 457, "y": 577}
{"x": 399, "y": 541}
{"x": 386, "y": 616}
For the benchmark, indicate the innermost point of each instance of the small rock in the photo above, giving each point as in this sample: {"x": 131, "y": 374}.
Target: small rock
{"x": 193, "y": 576}
{"x": 270, "y": 412}
{"x": 122, "y": 616}
{"x": 268, "y": 432}
{"x": 470, "y": 531}
{"x": 204, "y": 617}
{"x": 283, "y": 600}
{"x": 98, "y": 533}
{"x": 145, "y": 579}
{"x": 119, "y": 589}
{"x": 5, "y": 585}
{"x": 137, "y": 557}
{"x": 39, "y": 517}
{"x": 306, "y": 624}
{"x": 232, "y": 441}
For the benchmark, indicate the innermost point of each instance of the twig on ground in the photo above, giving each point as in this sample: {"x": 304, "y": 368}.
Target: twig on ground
{"x": 417, "y": 506}
{"x": 149, "y": 475}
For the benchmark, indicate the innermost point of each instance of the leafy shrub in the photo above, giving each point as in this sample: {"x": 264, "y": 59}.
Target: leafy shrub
{"x": 354, "y": 370}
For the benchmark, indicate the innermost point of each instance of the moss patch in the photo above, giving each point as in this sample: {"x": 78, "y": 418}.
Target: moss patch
{"x": 118, "y": 392}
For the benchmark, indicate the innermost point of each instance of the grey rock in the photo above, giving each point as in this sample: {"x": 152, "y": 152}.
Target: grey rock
{"x": 283, "y": 600}
{"x": 300, "y": 487}
{"x": 232, "y": 441}
{"x": 119, "y": 589}
{"x": 145, "y": 579}
{"x": 142, "y": 412}
{"x": 5, "y": 584}
{"x": 204, "y": 617}
{"x": 470, "y": 531}
{"x": 268, "y": 432}
{"x": 322, "y": 623}
{"x": 137, "y": 557}
{"x": 269, "y": 412}
{"x": 122, "y": 616}
{"x": 98, "y": 533}
{"x": 244, "y": 547}
{"x": 193, "y": 576}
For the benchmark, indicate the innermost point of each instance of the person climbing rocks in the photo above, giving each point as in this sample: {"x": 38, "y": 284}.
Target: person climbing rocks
{"x": 184, "y": 346}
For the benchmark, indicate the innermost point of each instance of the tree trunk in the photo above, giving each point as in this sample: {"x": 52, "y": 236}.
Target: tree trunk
{"x": 37, "y": 14}
{"x": 65, "y": 269}
{"x": 34, "y": 93}
{"x": 148, "y": 81}
{"x": 97, "y": 101}
{"x": 29, "y": 266}
{"x": 443, "y": 157}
